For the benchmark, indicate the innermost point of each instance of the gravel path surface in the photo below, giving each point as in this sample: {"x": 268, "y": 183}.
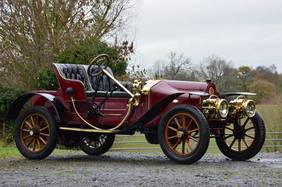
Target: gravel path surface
{"x": 140, "y": 169}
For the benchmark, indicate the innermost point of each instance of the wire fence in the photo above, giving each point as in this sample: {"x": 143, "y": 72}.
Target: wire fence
{"x": 273, "y": 143}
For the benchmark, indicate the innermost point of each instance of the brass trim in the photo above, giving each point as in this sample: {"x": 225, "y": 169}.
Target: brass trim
{"x": 77, "y": 113}
{"x": 133, "y": 101}
{"x": 118, "y": 83}
{"x": 239, "y": 106}
{"x": 146, "y": 90}
{"x": 111, "y": 109}
{"x": 130, "y": 105}
{"x": 149, "y": 84}
{"x": 212, "y": 105}
{"x": 87, "y": 130}
{"x": 112, "y": 114}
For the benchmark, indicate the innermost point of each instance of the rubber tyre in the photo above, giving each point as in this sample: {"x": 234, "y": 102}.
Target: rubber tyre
{"x": 105, "y": 147}
{"x": 52, "y": 142}
{"x": 253, "y": 150}
{"x": 152, "y": 138}
{"x": 202, "y": 147}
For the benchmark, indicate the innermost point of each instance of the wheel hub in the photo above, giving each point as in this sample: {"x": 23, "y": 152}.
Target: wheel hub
{"x": 182, "y": 134}
{"x": 35, "y": 132}
{"x": 239, "y": 133}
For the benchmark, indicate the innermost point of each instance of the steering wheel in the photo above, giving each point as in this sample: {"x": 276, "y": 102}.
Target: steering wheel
{"x": 104, "y": 59}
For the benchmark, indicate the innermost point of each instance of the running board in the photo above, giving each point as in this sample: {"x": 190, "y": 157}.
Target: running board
{"x": 88, "y": 130}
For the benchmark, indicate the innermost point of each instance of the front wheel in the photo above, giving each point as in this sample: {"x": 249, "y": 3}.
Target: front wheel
{"x": 242, "y": 139}
{"x": 184, "y": 134}
{"x": 97, "y": 144}
{"x": 36, "y": 133}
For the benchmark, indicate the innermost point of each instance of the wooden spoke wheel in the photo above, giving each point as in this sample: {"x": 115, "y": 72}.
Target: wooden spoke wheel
{"x": 184, "y": 134}
{"x": 242, "y": 139}
{"x": 97, "y": 144}
{"x": 36, "y": 133}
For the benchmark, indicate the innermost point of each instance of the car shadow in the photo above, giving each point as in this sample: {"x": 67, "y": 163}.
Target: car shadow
{"x": 136, "y": 159}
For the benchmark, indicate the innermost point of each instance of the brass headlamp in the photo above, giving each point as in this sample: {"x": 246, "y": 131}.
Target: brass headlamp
{"x": 215, "y": 108}
{"x": 241, "y": 106}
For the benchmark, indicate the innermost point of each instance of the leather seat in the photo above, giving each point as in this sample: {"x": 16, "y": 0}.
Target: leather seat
{"x": 91, "y": 84}
{"x": 74, "y": 72}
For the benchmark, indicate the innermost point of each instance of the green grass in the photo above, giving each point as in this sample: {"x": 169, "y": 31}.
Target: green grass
{"x": 272, "y": 115}
{"x": 9, "y": 152}
{"x": 12, "y": 152}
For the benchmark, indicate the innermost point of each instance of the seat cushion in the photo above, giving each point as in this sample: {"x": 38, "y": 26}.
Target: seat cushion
{"x": 74, "y": 72}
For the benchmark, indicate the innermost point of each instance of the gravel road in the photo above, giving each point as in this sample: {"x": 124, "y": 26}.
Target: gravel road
{"x": 140, "y": 169}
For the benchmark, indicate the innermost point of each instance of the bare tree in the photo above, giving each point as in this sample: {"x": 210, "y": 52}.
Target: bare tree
{"x": 175, "y": 67}
{"x": 34, "y": 32}
{"x": 158, "y": 70}
{"x": 219, "y": 71}
{"x": 136, "y": 72}
{"x": 213, "y": 68}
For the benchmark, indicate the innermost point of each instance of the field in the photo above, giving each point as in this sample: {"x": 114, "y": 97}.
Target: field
{"x": 137, "y": 143}
{"x": 272, "y": 115}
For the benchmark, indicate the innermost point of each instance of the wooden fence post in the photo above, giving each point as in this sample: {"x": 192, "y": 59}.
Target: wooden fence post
{"x": 3, "y": 132}
{"x": 3, "y": 127}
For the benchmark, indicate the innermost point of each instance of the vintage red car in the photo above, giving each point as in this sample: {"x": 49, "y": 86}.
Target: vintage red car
{"x": 91, "y": 107}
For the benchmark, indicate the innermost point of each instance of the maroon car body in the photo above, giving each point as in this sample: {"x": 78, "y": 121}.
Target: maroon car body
{"x": 87, "y": 107}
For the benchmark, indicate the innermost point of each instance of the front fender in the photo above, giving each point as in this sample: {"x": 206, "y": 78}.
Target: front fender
{"x": 155, "y": 110}
{"x": 18, "y": 104}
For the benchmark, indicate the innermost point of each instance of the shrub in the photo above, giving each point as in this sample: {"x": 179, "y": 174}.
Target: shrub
{"x": 46, "y": 79}
{"x": 82, "y": 53}
{"x": 264, "y": 89}
{"x": 7, "y": 97}
{"x": 86, "y": 50}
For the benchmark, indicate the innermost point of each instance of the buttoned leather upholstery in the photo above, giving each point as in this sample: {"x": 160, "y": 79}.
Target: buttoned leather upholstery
{"x": 91, "y": 84}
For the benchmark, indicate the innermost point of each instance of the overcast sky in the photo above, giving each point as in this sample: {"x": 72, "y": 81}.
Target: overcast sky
{"x": 246, "y": 32}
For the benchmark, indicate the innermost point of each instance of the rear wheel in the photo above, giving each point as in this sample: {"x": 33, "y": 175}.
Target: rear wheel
{"x": 97, "y": 144}
{"x": 242, "y": 139}
{"x": 184, "y": 134}
{"x": 36, "y": 133}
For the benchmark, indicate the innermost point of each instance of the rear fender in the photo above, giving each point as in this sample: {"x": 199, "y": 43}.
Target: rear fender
{"x": 18, "y": 104}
